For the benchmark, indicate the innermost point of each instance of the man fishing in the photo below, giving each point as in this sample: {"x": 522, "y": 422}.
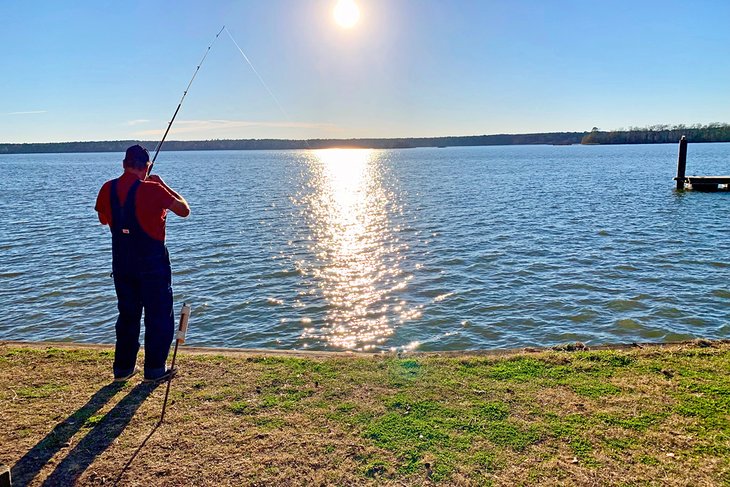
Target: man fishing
{"x": 135, "y": 208}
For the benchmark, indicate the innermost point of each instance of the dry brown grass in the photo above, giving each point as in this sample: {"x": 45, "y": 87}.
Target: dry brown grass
{"x": 652, "y": 416}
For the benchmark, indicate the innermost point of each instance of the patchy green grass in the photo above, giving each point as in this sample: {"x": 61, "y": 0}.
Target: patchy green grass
{"x": 595, "y": 390}
{"x": 640, "y": 422}
{"x": 41, "y": 391}
{"x": 92, "y": 421}
{"x": 241, "y": 407}
{"x": 584, "y": 417}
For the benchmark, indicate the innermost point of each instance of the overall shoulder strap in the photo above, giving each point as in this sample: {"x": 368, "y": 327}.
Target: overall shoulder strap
{"x": 130, "y": 208}
{"x": 113, "y": 194}
{"x": 117, "y": 210}
{"x": 129, "y": 203}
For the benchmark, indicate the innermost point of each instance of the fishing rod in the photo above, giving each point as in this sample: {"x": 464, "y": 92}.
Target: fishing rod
{"x": 179, "y": 338}
{"x": 159, "y": 145}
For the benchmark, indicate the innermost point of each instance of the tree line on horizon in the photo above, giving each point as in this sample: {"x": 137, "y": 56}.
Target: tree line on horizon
{"x": 654, "y": 134}
{"x": 660, "y": 134}
{"x": 557, "y": 138}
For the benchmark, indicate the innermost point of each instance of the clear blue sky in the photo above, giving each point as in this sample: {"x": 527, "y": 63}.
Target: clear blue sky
{"x": 110, "y": 69}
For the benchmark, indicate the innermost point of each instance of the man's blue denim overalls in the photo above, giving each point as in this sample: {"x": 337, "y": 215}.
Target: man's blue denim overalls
{"x": 143, "y": 280}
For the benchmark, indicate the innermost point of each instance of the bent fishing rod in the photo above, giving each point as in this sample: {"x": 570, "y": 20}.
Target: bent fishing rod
{"x": 169, "y": 125}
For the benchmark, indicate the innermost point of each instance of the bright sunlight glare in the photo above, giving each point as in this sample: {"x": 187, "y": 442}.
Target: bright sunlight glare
{"x": 346, "y": 13}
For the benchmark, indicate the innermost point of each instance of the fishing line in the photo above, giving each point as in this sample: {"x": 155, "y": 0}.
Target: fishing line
{"x": 159, "y": 145}
{"x": 257, "y": 73}
{"x": 195, "y": 73}
{"x": 276, "y": 100}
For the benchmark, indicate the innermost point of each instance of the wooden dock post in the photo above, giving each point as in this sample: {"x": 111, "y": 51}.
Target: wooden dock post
{"x": 681, "y": 162}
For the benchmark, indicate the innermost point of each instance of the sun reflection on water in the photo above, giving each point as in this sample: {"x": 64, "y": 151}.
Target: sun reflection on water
{"x": 356, "y": 252}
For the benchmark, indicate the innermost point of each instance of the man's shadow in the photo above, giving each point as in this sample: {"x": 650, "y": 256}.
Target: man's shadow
{"x": 91, "y": 446}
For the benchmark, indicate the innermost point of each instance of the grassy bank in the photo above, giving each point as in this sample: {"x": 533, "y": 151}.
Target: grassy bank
{"x": 644, "y": 416}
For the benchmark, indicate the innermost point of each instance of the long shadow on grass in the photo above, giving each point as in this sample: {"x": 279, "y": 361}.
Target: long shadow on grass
{"x": 94, "y": 443}
{"x": 32, "y": 462}
{"x": 99, "y": 438}
{"x": 134, "y": 455}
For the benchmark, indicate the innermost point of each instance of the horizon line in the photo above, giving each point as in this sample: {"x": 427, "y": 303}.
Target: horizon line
{"x": 648, "y": 128}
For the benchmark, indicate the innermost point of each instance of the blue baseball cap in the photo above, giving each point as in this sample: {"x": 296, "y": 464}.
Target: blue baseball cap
{"x": 136, "y": 156}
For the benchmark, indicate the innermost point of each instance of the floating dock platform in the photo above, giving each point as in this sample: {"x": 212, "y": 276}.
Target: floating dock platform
{"x": 697, "y": 183}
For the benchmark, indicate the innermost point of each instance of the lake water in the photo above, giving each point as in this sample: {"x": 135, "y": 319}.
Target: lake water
{"x": 420, "y": 249}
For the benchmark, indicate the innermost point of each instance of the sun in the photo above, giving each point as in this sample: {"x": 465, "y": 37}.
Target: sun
{"x": 346, "y": 13}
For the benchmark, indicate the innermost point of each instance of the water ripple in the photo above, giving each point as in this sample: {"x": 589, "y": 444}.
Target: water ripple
{"x": 375, "y": 250}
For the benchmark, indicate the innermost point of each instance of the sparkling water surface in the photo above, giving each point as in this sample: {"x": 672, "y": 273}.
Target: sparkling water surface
{"x": 420, "y": 249}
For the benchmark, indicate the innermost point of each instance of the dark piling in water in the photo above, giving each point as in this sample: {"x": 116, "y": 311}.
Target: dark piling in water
{"x": 681, "y": 162}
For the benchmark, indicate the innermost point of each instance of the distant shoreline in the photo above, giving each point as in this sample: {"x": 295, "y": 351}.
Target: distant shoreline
{"x": 557, "y": 138}
{"x": 660, "y": 134}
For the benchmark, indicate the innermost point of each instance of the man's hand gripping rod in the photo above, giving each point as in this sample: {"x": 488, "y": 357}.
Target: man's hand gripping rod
{"x": 179, "y": 338}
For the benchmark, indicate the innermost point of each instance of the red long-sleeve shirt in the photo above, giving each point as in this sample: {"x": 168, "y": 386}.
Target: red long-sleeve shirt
{"x": 152, "y": 202}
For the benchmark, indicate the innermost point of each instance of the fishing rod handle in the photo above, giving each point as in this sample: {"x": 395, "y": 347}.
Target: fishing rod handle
{"x": 183, "y": 327}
